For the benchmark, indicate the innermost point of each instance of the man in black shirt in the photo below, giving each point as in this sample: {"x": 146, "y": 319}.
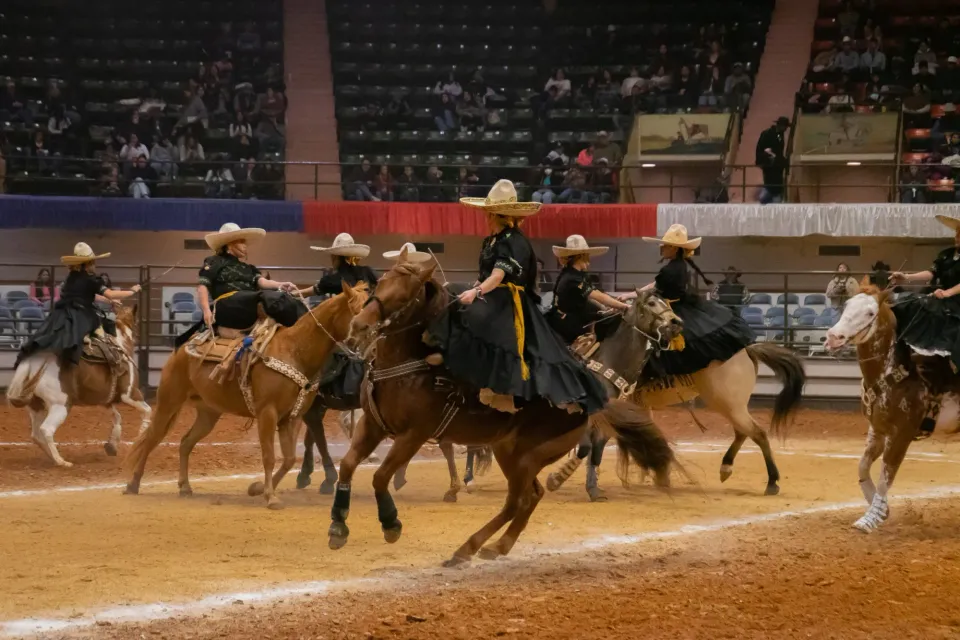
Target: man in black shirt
{"x": 771, "y": 160}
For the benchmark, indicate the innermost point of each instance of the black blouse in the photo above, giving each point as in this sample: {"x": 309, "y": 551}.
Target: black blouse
{"x": 330, "y": 283}
{"x": 946, "y": 268}
{"x": 510, "y": 251}
{"x": 82, "y": 287}
{"x": 571, "y": 294}
{"x": 223, "y": 273}
{"x": 671, "y": 281}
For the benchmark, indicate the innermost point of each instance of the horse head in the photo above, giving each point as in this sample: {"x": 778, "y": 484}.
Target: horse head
{"x": 653, "y": 317}
{"x": 399, "y": 295}
{"x": 127, "y": 327}
{"x": 862, "y": 316}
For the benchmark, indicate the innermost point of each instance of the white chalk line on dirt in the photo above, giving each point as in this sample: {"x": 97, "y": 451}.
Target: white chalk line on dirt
{"x": 164, "y": 611}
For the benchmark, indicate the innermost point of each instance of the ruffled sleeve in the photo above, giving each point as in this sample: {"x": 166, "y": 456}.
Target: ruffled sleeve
{"x": 208, "y": 271}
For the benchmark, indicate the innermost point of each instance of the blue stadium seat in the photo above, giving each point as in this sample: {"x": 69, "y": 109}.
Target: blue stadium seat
{"x": 759, "y": 298}
{"x": 788, "y": 298}
{"x": 814, "y": 299}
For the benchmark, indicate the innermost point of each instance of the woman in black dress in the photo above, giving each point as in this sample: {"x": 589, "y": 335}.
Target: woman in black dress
{"x": 497, "y": 340}
{"x": 930, "y": 324}
{"x": 230, "y": 289}
{"x": 711, "y": 332}
{"x": 345, "y": 255}
{"x": 74, "y": 316}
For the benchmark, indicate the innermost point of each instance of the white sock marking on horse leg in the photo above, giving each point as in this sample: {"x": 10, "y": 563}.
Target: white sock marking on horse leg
{"x": 117, "y": 430}
{"x": 55, "y": 417}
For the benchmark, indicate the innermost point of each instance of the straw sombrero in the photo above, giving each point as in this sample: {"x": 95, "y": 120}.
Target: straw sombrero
{"x": 676, "y": 236}
{"x": 412, "y": 254}
{"x": 576, "y": 245}
{"x": 343, "y": 245}
{"x": 231, "y": 232}
{"x": 82, "y": 254}
{"x": 953, "y": 223}
{"x": 502, "y": 200}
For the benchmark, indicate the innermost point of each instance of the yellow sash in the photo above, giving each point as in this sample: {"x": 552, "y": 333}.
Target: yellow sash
{"x": 518, "y": 325}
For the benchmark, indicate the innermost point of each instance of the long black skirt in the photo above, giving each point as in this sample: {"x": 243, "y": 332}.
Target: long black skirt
{"x": 239, "y": 311}
{"x": 63, "y": 331}
{"x": 930, "y": 325}
{"x": 479, "y": 344}
{"x": 711, "y": 333}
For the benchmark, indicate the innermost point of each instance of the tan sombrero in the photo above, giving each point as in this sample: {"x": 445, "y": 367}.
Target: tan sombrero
{"x": 502, "y": 200}
{"x": 231, "y": 232}
{"x": 576, "y": 245}
{"x": 82, "y": 254}
{"x": 343, "y": 245}
{"x": 676, "y": 236}
{"x": 412, "y": 254}
{"x": 953, "y": 223}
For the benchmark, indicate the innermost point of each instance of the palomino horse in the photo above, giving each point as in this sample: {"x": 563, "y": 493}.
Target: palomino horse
{"x": 49, "y": 390}
{"x": 894, "y": 399}
{"x": 281, "y": 383}
{"x": 418, "y": 404}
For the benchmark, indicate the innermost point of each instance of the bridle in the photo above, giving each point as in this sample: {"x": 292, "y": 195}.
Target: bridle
{"x": 653, "y": 342}
{"x": 383, "y": 320}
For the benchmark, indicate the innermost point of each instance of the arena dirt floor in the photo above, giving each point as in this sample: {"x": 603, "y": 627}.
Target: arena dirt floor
{"x": 80, "y": 560}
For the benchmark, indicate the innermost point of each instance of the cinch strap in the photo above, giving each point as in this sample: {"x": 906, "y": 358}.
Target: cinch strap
{"x": 518, "y": 326}
{"x": 678, "y": 343}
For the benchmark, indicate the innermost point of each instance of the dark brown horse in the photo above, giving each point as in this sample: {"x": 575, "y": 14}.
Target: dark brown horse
{"x": 422, "y": 403}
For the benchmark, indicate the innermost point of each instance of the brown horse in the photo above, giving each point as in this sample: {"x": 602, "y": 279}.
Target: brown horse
{"x": 49, "y": 390}
{"x": 894, "y": 399}
{"x": 289, "y": 365}
{"x": 420, "y": 403}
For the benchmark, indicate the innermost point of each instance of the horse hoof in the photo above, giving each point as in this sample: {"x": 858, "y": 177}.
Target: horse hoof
{"x": 450, "y": 496}
{"x": 726, "y": 470}
{"x": 772, "y": 490}
{"x": 64, "y": 464}
{"x": 489, "y": 553}
{"x": 275, "y": 504}
{"x": 597, "y": 495}
{"x": 304, "y": 482}
{"x": 468, "y": 486}
{"x": 553, "y": 482}
{"x": 255, "y": 489}
{"x": 863, "y": 527}
{"x": 338, "y": 532}
{"x": 110, "y": 449}
{"x": 327, "y": 487}
{"x": 131, "y": 490}
{"x": 399, "y": 483}
{"x": 186, "y": 492}
{"x": 392, "y": 534}
{"x": 455, "y": 561}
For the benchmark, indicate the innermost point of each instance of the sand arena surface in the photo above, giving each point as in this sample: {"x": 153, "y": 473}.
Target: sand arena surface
{"x": 82, "y": 561}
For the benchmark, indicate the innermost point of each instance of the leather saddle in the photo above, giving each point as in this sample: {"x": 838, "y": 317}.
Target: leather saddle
{"x": 103, "y": 350}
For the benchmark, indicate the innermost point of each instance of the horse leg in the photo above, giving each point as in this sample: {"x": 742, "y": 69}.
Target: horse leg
{"x": 306, "y": 467}
{"x": 134, "y": 398}
{"x": 893, "y": 454}
{"x": 528, "y": 503}
{"x": 288, "y": 449}
{"x": 871, "y": 452}
{"x": 451, "y": 495}
{"x": 364, "y": 441}
{"x": 745, "y": 425}
{"x": 112, "y": 446}
{"x": 404, "y": 448}
{"x": 468, "y": 470}
{"x": 597, "y": 443}
{"x": 56, "y": 414}
{"x": 726, "y": 465}
{"x": 329, "y": 468}
{"x": 266, "y": 428}
{"x": 37, "y": 416}
{"x": 399, "y": 478}
{"x": 556, "y": 479}
{"x": 202, "y": 425}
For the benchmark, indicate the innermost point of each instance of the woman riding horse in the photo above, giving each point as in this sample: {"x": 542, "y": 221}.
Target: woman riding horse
{"x": 230, "y": 289}
{"x": 930, "y": 325}
{"x": 74, "y": 316}
{"x": 578, "y": 305}
{"x": 497, "y": 340}
{"x": 345, "y": 255}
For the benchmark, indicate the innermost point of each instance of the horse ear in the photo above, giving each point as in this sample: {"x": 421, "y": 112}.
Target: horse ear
{"x": 403, "y": 254}
{"x": 427, "y": 273}
{"x": 347, "y": 289}
{"x": 865, "y": 281}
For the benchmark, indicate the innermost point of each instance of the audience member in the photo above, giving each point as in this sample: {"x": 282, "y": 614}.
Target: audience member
{"x": 687, "y": 88}
{"x": 770, "y": 159}
{"x": 585, "y": 157}
{"x": 407, "y": 189}
{"x": 397, "y": 112}
{"x": 432, "y": 188}
{"x": 918, "y": 101}
{"x": 604, "y": 182}
{"x": 607, "y": 149}
{"x": 142, "y": 177}
{"x": 913, "y": 183}
{"x": 574, "y": 187}
{"x": 270, "y": 135}
{"x": 468, "y": 184}
{"x": 711, "y": 89}
{"x": 272, "y": 104}
{"x": 873, "y": 60}
{"x": 383, "y": 184}
{"x": 471, "y": 114}
{"x": 560, "y": 82}
{"x": 634, "y": 79}
{"x": 450, "y": 86}
{"x": 219, "y": 183}
{"x": 738, "y": 87}
{"x": 847, "y": 60}
{"x": 361, "y": 183}
{"x": 163, "y": 158}
{"x": 44, "y": 290}
{"x": 240, "y": 126}
{"x": 545, "y": 190}
{"x": 842, "y": 287}
{"x": 14, "y": 107}
{"x": 443, "y": 113}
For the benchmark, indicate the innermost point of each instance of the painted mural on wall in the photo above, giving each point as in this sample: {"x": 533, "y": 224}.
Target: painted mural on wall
{"x": 845, "y": 134}
{"x": 688, "y": 134}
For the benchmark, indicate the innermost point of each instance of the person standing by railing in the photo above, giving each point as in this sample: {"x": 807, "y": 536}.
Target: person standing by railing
{"x": 842, "y": 287}
{"x": 771, "y": 160}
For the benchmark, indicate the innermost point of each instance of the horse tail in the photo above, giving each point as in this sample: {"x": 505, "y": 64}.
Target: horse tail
{"x": 24, "y": 383}
{"x": 638, "y": 439}
{"x": 788, "y": 369}
{"x": 483, "y": 461}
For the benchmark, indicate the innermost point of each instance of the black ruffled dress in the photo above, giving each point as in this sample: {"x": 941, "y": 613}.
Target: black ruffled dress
{"x": 331, "y": 283}
{"x": 482, "y": 343}
{"x": 711, "y": 332}
{"x": 932, "y": 325}
{"x": 72, "y": 318}
{"x": 573, "y": 311}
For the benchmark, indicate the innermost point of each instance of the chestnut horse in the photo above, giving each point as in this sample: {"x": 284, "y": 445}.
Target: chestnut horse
{"x": 421, "y": 403}
{"x": 894, "y": 399}
{"x": 49, "y": 390}
{"x": 303, "y": 347}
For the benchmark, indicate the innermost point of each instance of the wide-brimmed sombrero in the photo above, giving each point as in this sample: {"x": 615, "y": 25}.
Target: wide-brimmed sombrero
{"x": 82, "y": 254}
{"x": 947, "y": 221}
{"x": 502, "y": 200}
{"x": 676, "y": 236}
{"x": 231, "y": 232}
{"x": 576, "y": 245}
{"x": 343, "y": 245}
{"x": 412, "y": 254}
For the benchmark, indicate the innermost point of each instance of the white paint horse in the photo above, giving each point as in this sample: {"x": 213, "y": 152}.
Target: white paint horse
{"x": 48, "y": 391}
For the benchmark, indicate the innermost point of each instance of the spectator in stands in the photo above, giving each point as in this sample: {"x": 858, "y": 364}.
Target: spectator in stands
{"x": 443, "y": 113}
{"x": 245, "y": 100}
{"x": 240, "y": 126}
{"x": 840, "y": 101}
{"x": 949, "y": 121}
{"x": 730, "y": 292}
{"x": 874, "y": 90}
{"x": 383, "y": 184}
{"x": 560, "y": 82}
{"x": 468, "y": 183}
{"x": 272, "y": 104}
{"x": 270, "y": 135}
{"x": 872, "y": 32}
{"x": 557, "y": 156}
{"x": 14, "y": 107}
{"x": 918, "y": 101}
{"x": 194, "y": 116}
{"x": 711, "y": 89}
{"x": 224, "y": 67}
{"x": 608, "y": 92}
{"x": 44, "y": 290}
{"x": 771, "y": 160}
{"x": 360, "y": 183}
{"x": 848, "y": 19}
{"x": 191, "y": 155}
{"x": 873, "y": 60}
{"x": 574, "y": 187}
{"x": 605, "y": 148}
{"x": 604, "y": 189}
{"x": 661, "y": 79}
{"x": 163, "y": 158}
{"x": 913, "y": 183}
{"x": 585, "y": 157}
{"x": 134, "y": 126}
{"x": 219, "y": 183}
{"x": 842, "y": 287}
{"x": 925, "y": 54}
{"x": 738, "y": 87}
{"x": 847, "y": 60}
{"x": 823, "y": 62}
{"x": 545, "y": 190}
{"x": 687, "y": 87}
{"x": 109, "y": 182}
{"x": 449, "y": 86}
{"x": 244, "y": 149}
{"x": 713, "y": 58}
{"x": 133, "y": 149}
{"x": 407, "y": 189}
{"x": 880, "y": 274}
{"x": 626, "y": 87}
{"x": 471, "y": 114}
{"x": 432, "y": 189}
{"x": 142, "y": 178}
{"x": 61, "y": 132}
{"x": 925, "y": 75}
